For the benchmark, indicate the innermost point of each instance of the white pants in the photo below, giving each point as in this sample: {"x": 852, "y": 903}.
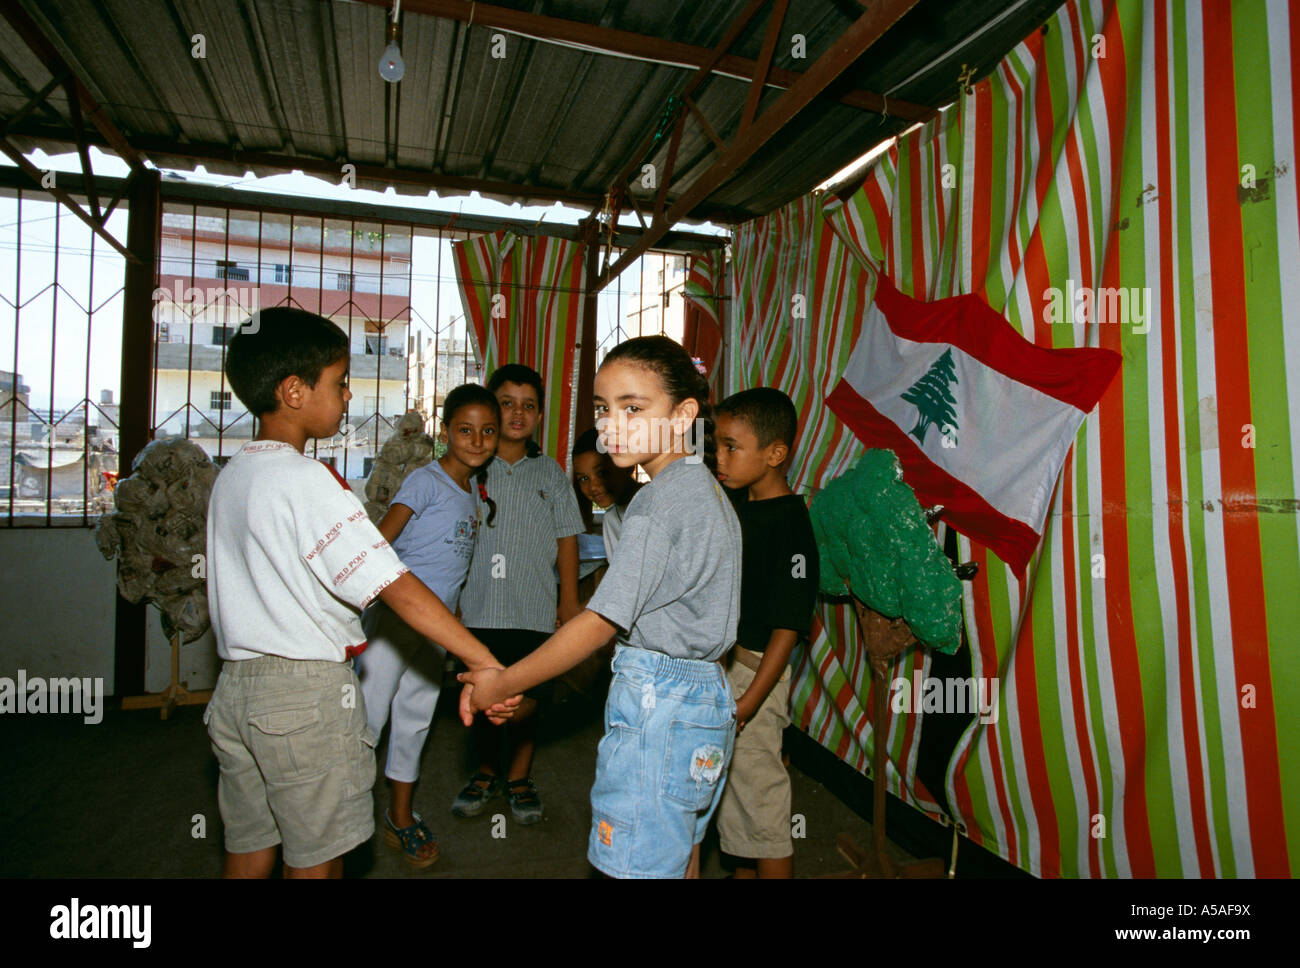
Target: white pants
{"x": 400, "y": 670}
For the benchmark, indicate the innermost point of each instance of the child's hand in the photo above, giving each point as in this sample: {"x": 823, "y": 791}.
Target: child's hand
{"x": 482, "y": 693}
{"x": 746, "y": 709}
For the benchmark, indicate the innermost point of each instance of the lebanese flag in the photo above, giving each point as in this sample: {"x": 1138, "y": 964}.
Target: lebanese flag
{"x": 981, "y": 419}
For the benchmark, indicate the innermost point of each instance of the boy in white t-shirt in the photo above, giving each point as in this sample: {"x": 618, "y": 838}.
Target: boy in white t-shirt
{"x": 292, "y": 556}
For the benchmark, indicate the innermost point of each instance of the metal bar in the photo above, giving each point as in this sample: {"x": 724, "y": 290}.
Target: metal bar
{"x": 669, "y": 164}
{"x": 663, "y": 293}
{"x": 54, "y": 342}
{"x": 85, "y": 411}
{"x": 774, "y": 23}
{"x": 141, "y": 276}
{"x": 352, "y": 264}
{"x": 695, "y": 80}
{"x": 437, "y": 330}
{"x": 381, "y": 324}
{"x": 422, "y": 178}
{"x": 320, "y": 276}
{"x": 122, "y": 186}
{"x": 844, "y": 51}
{"x": 587, "y": 333}
{"x": 36, "y": 174}
{"x": 626, "y": 43}
{"x": 189, "y": 362}
{"x": 34, "y": 102}
{"x": 219, "y": 196}
{"x": 410, "y": 317}
{"x": 79, "y": 128}
{"x": 35, "y": 38}
{"x": 18, "y": 313}
{"x": 704, "y": 124}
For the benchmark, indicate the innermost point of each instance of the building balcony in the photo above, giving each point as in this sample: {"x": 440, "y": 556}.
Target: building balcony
{"x": 201, "y": 358}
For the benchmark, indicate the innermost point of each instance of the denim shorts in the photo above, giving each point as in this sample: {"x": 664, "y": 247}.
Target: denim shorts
{"x": 660, "y": 768}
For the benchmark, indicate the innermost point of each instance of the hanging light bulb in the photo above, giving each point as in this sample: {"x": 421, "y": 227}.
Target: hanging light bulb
{"x": 391, "y": 65}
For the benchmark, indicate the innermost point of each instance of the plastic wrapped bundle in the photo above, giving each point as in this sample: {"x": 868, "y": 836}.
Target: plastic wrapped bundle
{"x": 158, "y": 532}
{"x": 409, "y": 447}
{"x": 872, "y": 536}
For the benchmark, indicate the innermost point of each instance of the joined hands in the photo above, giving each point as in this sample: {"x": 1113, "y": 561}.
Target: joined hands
{"x": 482, "y": 693}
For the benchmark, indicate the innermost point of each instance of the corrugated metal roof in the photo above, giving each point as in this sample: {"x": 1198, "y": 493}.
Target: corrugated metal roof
{"x": 299, "y": 77}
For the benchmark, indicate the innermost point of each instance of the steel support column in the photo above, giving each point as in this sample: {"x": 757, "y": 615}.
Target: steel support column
{"x": 141, "y": 277}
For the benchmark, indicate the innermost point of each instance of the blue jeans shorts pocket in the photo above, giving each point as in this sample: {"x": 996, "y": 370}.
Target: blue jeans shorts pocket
{"x": 610, "y": 845}
{"x": 694, "y": 763}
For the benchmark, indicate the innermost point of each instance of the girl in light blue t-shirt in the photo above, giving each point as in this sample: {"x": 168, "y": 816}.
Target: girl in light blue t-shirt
{"x": 431, "y": 524}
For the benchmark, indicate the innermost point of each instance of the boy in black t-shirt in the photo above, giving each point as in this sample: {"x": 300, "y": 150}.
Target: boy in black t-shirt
{"x": 778, "y": 590}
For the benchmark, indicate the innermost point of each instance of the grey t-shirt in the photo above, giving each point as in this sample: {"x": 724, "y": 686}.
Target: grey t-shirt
{"x": 674, "y": 584}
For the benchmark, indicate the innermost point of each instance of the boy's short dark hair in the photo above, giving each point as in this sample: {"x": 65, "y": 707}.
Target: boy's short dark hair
{"x": 768, "y": 411}
{"x": 516, "y": 373}
{"x": 278, "y": 343}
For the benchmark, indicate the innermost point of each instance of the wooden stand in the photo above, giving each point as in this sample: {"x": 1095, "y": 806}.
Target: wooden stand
{"x": 883, "y": 639}
{"x": 174, "y": 695}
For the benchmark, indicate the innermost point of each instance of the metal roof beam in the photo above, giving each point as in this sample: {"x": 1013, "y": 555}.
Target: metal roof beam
{"x": 35, "y": 39}
{"x": 846, "y": 49}
{"x": 318, "y": 166}
{"x": 642, "y": 46}
{"x": 221, "y": 196}
{"x": 38, "y": 176}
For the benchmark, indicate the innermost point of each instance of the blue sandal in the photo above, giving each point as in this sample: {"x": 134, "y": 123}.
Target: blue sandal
{"x": 410, "y": 839}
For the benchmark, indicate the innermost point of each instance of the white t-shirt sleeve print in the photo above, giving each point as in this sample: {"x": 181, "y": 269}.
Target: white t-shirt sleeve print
{"x": 345, "y": 551}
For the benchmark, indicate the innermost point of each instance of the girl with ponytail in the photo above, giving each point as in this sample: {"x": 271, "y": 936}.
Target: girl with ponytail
{"x": 672, "y": 596}
{"x": 431, "y": 524}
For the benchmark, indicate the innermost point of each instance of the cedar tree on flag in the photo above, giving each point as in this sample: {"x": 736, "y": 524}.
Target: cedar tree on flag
{"x": 980, "y": 418}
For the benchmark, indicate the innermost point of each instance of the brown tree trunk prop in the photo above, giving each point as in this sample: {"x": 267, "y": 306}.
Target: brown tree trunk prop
{"x": 174, "y": 695}
{"x": 884, "y": 639}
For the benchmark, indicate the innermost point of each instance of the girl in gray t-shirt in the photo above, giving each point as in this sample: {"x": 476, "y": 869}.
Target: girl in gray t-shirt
{"x": 672, "y": 595}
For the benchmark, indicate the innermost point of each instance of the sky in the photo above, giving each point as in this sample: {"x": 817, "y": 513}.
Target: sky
{"x": 55, "y": 298}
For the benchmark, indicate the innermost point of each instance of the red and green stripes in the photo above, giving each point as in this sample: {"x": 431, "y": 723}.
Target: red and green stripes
{"x": 523, "y": 298}
{"x": 1151, "y": 148}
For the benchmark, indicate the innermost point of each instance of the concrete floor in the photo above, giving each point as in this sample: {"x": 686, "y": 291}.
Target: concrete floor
{"x": 129, "y": 796}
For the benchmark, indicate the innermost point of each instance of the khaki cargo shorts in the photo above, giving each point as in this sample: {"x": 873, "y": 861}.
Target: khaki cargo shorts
{"x": 297, "y": 759}
{"x": 754, "y": 815}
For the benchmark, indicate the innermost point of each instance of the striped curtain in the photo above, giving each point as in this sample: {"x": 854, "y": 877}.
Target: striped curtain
{"x": 702, "y": 328}
{"x": 523, "y": 299}
{"x": 1150, "y": 148}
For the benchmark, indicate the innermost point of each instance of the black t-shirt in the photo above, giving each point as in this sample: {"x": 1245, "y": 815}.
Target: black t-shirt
{"x": 779, "y": 574}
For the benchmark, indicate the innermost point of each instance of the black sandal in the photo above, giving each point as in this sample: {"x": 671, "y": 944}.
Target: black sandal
{"x": 475, "y": 796}
{"x": 525, "y": 804}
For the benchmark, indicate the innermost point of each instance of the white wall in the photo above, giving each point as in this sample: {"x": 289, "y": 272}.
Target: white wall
{"x": 58, "y": 604}
{"x": 57, "y": 601}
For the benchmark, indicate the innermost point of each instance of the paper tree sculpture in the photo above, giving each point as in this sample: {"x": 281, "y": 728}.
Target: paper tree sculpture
{"x": 409, "y": 447}
{"x": 874, "y": 538}
{"x": 875, "y": 543}
{"x": 158, "y": 533}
